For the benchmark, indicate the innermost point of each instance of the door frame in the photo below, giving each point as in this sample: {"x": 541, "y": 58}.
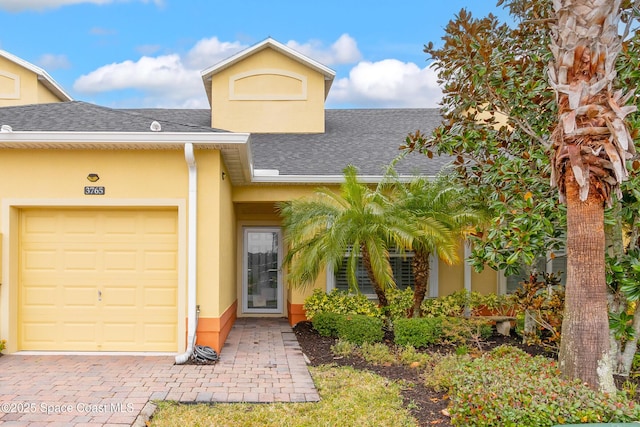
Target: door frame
{"x": 280, "y": 282}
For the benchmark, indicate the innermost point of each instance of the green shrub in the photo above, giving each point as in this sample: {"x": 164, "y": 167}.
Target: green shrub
{"x": 400, "y": 302}
{"x": 461, "y": 350}
{"x": 450, "y": 305}
{"x": 459, "y": 330}
{"x": 508, "y": 387}
{"x": 343, "y": 348}
{"x": 326, "y": 323}
{"x": 454, "y": 305}
{"x": 358, "y": 328}
{"x": 340, "y": 302}
{"x": 410, "y": 356}
{"x": 377, "y": 353}
{"x": 417, "y": 332}
{"x": 3, "y": 345}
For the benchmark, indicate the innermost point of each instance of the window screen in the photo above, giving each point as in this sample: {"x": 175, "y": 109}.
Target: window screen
{"x": 402, "y": 273}
{"x": 555, "y": 265}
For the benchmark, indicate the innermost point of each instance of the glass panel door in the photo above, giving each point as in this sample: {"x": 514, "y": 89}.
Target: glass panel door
{"x": 262, "y": 281}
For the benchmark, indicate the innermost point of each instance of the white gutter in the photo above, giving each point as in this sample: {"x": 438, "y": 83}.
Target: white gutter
{"x": 121, "y": 138}
{"x": 467, "y": 267}
{"x": 191, "y": 255}
{"x": 467, "y": 277}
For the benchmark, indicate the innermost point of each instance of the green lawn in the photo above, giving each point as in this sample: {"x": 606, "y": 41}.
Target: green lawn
{"x": 348, "y": 398}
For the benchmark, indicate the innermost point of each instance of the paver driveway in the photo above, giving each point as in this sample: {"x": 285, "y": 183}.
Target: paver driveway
{"x": 261, "y": 362}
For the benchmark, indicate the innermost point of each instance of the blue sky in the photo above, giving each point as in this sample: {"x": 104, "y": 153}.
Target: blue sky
{"x": 149, "y": 53}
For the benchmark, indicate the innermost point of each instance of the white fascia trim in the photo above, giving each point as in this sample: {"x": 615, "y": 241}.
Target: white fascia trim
{"x": 43, "y": 76}
{"x": 142, "y": 138}
{"x": 328, "y": 72}
{"x": 53, "y": 86}
{"x": 322, "y": 179}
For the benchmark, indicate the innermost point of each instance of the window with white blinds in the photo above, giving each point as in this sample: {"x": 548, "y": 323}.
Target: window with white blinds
{"x": 400, "y": 264}
{"x": 557, "y": 264}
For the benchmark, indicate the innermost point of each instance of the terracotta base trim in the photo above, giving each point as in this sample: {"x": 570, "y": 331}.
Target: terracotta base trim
{"x": 296, "y": 312}
{"x": 213, "y": 331}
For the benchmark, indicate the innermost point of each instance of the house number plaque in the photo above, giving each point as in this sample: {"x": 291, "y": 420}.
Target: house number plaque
{"x": 93, "y": 191}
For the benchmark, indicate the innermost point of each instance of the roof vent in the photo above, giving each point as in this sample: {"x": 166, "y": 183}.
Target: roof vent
{"x": 6, "y": 129}
{"x": 155, "y": 126}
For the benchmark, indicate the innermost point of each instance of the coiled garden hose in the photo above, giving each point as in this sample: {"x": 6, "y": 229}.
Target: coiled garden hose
{"x": 204, "y": 354}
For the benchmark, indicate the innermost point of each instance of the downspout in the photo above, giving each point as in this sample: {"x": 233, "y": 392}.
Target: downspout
{"x": 467, "y": 277}
{"x": 192, "y": 322}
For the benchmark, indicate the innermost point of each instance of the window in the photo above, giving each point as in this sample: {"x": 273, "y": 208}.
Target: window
{"x": 400, "y": 264}
{"x": 557, "y": 264}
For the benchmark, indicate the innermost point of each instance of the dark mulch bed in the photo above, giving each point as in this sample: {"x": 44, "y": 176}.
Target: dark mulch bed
{"x": 426, "y": 405}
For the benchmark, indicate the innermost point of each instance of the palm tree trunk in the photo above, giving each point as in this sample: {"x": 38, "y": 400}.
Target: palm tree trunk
{"x": 378, "y": 289}
{"x": 584, "y": 347}
{"x": 420, "y": 266}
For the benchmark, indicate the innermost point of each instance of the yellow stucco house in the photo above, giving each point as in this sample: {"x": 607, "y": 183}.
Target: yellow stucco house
{"x": 123, "y": 229}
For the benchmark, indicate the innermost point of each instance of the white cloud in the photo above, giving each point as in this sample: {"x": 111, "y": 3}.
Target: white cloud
{"x": 343, "y": 51}
{"x": 49, "y": 61}
{"x": 21, "y": 5}
{"x": 174, "y": 81}
{"x": 387, "y": 83}
{"x": 208, "y": 52}
{"x": 164, "y": 78}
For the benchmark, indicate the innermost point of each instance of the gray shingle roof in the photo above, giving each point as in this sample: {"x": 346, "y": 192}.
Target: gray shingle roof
{"x": 366, "y": 138}
{"x": 77, "y": 116}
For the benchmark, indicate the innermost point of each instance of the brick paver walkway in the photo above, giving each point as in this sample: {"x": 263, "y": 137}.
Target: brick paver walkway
{"x": 261, "y": 362}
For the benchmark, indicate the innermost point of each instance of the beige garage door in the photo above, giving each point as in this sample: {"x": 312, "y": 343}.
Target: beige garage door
{"x": 98, "y": 280}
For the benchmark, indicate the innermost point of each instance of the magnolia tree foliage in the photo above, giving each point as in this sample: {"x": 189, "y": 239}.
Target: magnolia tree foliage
{"x": 499, "y": 116}
{"x": 500, "y": 113}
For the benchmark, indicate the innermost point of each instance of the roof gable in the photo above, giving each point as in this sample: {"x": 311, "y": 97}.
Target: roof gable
{"x": 268, "y": 43}
{"x": 42, "y": 75}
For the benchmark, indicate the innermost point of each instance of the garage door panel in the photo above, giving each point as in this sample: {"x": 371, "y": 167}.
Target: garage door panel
{"x": 98, "y": 280}
{"x": 160, "y": 225}
{"x": 120, "y": 260}
{"x": 82, "y": 297}
{"x": 40, "y": 333}
{"x": 120, "y": 226}
{"x": 74, "y": 225}
{"x": 157, "y": 260}
{"x": 126, "y": 297}
{"x": 80, "y": 260}
{"x": 40, "y": 296}
{"x": 121, "y": 333}
{"x": 79, "y": 332}
{"x": 40, "y": 226}
{"x": 161, "y": 334}
{"x": 40, "y": 260}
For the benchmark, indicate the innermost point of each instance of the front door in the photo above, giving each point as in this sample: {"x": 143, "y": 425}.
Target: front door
{"x": 262, "y": 278}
